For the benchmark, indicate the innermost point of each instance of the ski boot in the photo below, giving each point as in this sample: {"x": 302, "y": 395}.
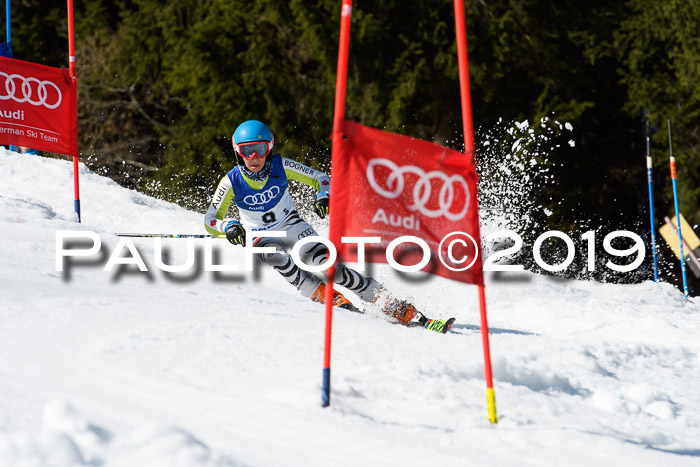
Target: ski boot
{"x": 339, "y": 299}
{"x": 409, "y": 316}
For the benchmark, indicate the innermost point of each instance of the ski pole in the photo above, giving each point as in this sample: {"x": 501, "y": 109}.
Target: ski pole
{"x": 169, "y": 235}
{"x": 675, "y": 202}
{"x": 651, "y": 205}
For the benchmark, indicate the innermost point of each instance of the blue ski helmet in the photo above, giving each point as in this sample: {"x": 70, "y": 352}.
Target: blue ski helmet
{"x": 251, "y": 131}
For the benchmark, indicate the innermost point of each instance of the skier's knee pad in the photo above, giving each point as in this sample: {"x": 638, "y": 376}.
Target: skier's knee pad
{"x": 278, "y": 258}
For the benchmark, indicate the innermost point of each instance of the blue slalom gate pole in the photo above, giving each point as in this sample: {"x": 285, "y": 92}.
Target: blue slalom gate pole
{"x": 678, "y": 215}
{"x": 7, "y": 49}
{"x": 8, "y": 44}
{"x": 9, "y": 29}
{"x": 651, "y": 205}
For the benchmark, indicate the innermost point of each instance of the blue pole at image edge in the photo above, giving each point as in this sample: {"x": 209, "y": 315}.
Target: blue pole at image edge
{"x": 7, "y": 17}
{"x": 76, "y": 206}
{"x": 678, "y": 213}
{"x": 651, "y": 205}
{"x": 326, "y": 389}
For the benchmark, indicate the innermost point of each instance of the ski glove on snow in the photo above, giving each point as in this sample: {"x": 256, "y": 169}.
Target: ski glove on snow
{"x": 321, "y": 206}
{"x": 235, "y": 233}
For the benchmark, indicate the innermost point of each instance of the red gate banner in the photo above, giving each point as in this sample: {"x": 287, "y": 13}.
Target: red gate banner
{"x": 38, "y": 107}
{"x": 389, "y": 186}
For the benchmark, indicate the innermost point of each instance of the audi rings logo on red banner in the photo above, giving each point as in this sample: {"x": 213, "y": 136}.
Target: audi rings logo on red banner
{"x": 38, "y": 107}
{"x": 449, "y": 202}
{"x": 31, "y": 90}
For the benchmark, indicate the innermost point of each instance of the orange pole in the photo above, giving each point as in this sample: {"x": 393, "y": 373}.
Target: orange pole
{"x": 466, "y": 101}
{"x": 339, "y": 114}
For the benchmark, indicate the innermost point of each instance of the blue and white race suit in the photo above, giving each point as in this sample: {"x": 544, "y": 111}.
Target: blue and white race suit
{"x": 267, "y": 205}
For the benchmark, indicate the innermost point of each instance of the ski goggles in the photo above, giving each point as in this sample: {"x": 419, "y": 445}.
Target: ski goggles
{"x": 252, "y": 149}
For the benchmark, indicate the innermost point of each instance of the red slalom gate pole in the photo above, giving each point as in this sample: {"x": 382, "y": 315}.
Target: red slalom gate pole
{"x": 71, "y": 67}
{"x": 71, "y": 40}
{"x": 336, "y": 153}
{"x": 466, "y": 101}
{"x": 464, "y": 89}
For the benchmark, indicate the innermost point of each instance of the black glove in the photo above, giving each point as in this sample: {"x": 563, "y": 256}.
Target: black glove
{"x": 235, "y": 233}
{"x": 321, "y": 206}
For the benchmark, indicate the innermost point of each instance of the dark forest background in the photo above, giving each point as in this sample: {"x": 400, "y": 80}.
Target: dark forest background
{"x": 163, "y": 84}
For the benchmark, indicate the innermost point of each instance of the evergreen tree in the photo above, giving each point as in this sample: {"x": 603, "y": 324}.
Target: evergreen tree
{"x": 164, "y": 83}
{"x": 659, "y": 51}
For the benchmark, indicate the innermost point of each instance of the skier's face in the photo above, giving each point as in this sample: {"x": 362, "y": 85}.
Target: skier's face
{"x": 255, "y": 164}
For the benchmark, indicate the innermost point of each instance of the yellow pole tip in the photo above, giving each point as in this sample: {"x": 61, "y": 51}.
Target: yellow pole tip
{"x": 491, "y": 405}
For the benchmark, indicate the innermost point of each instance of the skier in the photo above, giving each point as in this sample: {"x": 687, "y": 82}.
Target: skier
{"x": 258, "y": 186}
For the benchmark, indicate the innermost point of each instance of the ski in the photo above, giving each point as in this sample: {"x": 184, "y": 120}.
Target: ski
{"x": 438, "y": 325}
{"x": 350, "y": 307}
{"x": 407, "y": 315}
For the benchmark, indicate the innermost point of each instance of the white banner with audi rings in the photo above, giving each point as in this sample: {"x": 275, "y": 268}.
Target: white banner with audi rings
{"x": 38, "y": 107}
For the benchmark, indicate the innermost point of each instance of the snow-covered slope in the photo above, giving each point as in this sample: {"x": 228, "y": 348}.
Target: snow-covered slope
{"x": 127, "y": 368}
